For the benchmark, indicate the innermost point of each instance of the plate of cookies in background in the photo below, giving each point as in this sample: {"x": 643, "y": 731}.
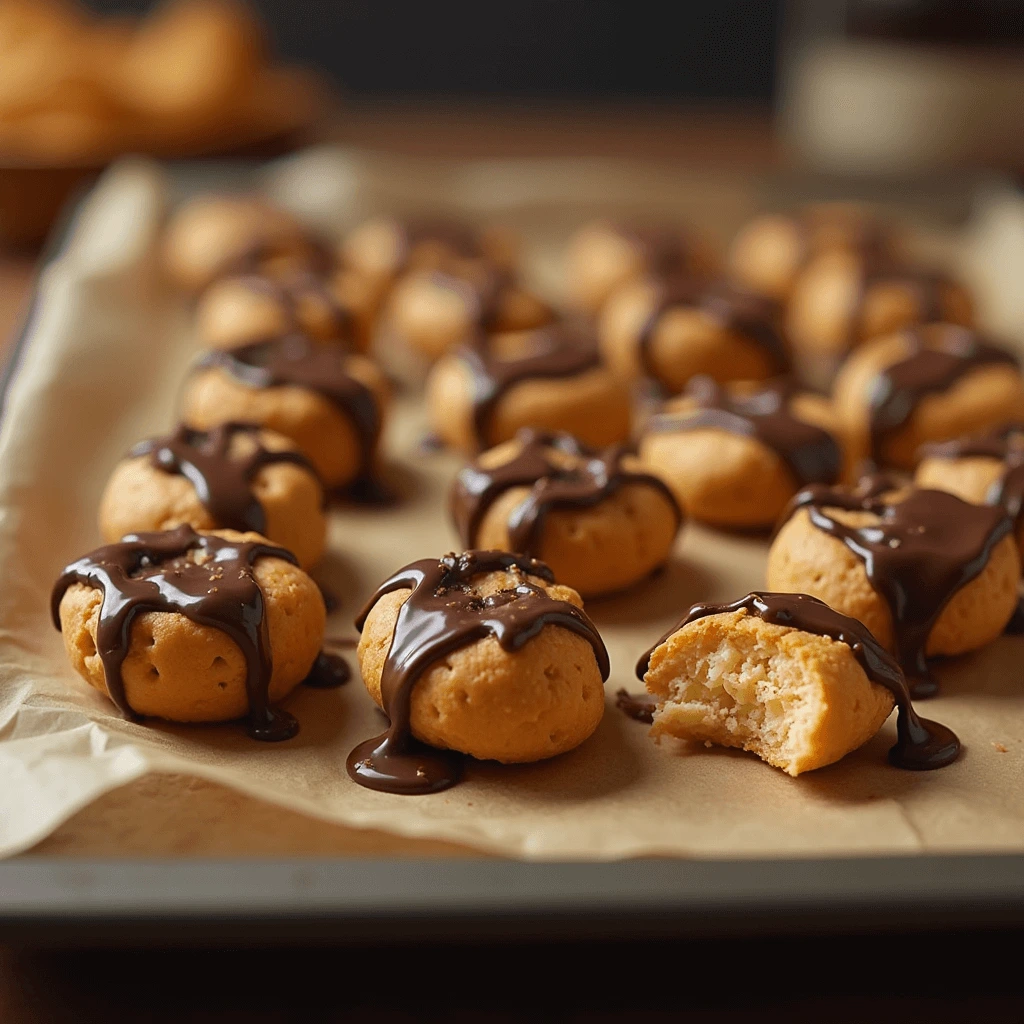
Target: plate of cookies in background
{"x": 646, "y": 536}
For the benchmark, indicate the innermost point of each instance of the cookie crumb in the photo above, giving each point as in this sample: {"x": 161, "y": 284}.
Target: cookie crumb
{"x": 999, "y": 747}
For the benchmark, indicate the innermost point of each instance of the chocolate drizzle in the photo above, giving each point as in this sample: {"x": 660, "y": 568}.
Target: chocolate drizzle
{"x": 482, "y": 293}
{"x": 293, "y": 290}
{"x": 441, "y": 615}
{"x": 811, "y": 453}
{"x": 152, "y": 572}
{"x": 329, "y": 671}
{"x": 742, "y": 313}
{"x": 897, "y": 390}
{"x": 667, "y": 251}
{"x": 920, "y": 552}
{"x": 223, "y": 483}
{"x": 553, "y": 352}
{"x": 582, "y": 478}
{"x": 639, "y": 706}
{"x": 295, "y": 361}
{"x": 920, "y": 744}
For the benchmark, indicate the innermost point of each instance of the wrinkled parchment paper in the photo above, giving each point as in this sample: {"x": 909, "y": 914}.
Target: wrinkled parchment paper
{"x": 107, "y": 350}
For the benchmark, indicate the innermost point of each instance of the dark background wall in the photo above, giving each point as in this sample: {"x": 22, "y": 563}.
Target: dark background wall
{"x": 548, "y": 49}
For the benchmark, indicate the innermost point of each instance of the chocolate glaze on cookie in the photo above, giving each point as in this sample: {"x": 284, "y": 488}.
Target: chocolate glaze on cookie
{"x": 920, "y": 744}
{"x": 897, "y": 390}
{"x": 482, "y": 295}
{"x": 812, "y": 454}
{"x": 743, "y": 313}
{"x": 441, "y": 615}
{"x": 222, "y": 483}
{"x": 591, "y": 477}
{"x": 301, "y": 286}
{"x": 553, "y": 352}
{"x": 666, "y": 250}
{"x": 459, "y": 239}
{"x": 151, "y": 572}
{"x": 295, "y": 361}
{"x": 923, "y": 550}
{"x": 1006, "y": 444}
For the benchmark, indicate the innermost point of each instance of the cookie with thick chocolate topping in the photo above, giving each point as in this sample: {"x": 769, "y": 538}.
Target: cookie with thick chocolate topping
{"x": 927, "y": 573}
{"x": 594, "y": 516}
{"x": 192, "y": 627}
{"x": 669, "y": 331}
{"x": 234, "y": 477}
{"x": 550, "y": 379}
{"x": 480, "y": 653}
{"x": 928, "y": 383}
{"x": 790, "y": 679}
{"x": 734, "y": 455}
{"x": 330, "y": 403}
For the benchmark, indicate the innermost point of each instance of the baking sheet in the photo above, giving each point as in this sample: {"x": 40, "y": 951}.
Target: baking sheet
{"x": 101, "y": 369}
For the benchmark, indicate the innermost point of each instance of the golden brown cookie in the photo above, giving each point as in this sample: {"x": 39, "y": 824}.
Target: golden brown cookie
{"x": 329, "y": 403}
{"x": 735, "y": 455}
{"x": 551, "y": 379}
{"x": 769, "y": 252}
{"x": 211, "y": 236}
{"x": 192, "y": 627}
{"x": 670, "y": 332}
{"x": 603, "y": 256}
{"x": 595, "y": 517}
{"x": 788, "y": 678}
{"x": 927, "y": 573}
{"x": 480, "y": 653}
{"x": 844, "y": 298}
{"x": 925, "y": 384}
{"x": 235, "y": 477}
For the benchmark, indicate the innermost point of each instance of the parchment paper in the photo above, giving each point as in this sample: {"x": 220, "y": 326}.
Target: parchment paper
{"x": 107, "y": 350}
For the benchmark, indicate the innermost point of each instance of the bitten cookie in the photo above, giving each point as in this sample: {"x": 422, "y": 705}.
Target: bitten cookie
{"x": 329, "y": 403}
{"x": 435, "y": 311}
{"x": 927, "y": 573}
{"x": 604, "y": 256}
{"x": 768, "y": 254}
{"x": 788, "y": 678}
{"x": 594, "y": 517}
{"x": 734, "y": 456}
{"x": 986, "y": 469}
{"x": 212, "y": 236}
{"x": 551, "y": 379}
{"x": 481, "y": 653}
{"x": 927, "y": 383}
{"x": 235, "y": 477}
{"x": 844, "y": 298}
{"x": 253, "y": 307}
{"x": 192, "y": 627}
{"x": 671, "y": 331}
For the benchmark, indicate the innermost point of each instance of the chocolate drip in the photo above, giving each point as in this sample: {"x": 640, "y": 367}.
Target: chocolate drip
{"x": 151, "y": 572}
{"x": 589, "y": 477}
{"x": 291, "y": 290}
{"x": 483, "y": 294}
{"x": 555, "y": 351}
{"x": 812, "y": 454}
{"x": 329, "y": 671}
{"x": 897, "y": 390}
{"x": 748, "y": 315}
{"x": 295, "y": 361}
{"x": 640, "y": 706}
{"x": 441, "y": 615}
{"x": 920, "y": 744}
{"x": 222, "y": 483}
{"x": 921, "y": 552}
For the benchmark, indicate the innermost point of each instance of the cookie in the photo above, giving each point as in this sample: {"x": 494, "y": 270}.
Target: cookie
{"x": 329, "y": 403}
{"x": 788, "y": 678}
{"x": 986, "y": 469}
{"x": 551, "y": 379}
{"x": 481, "y": 653}
{"x": 233, "y": 477}
{"x": 604, "y": 256}
{"x": 435, "y": 311}
{"x": 669, "y": 332}
{"x": 844, "y": 298}
{"x": 594, "y": 517}
{"x": 927, "y": 573}
{"x": 214, "y": 236}
{"x": 734, "y": 456}
{"x": 192, "y": 627}
{"x": 768, "y": 254}
{"x": 928, "y": 383}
